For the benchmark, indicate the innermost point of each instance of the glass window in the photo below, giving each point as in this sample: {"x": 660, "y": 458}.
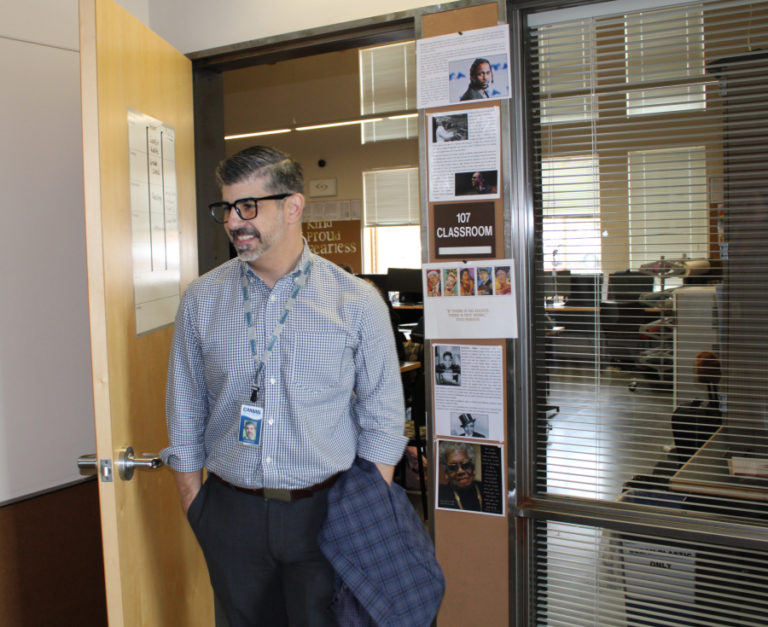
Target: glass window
{"x": 392, "y": 232}
{"x": 566, "y": 64}
{"x": 668, "y": 212}
{"x": 387, "y": 85}
{"x": 665, "y": 46}
{"x": 571, "y": 214}
{"x": 387, "y": 247}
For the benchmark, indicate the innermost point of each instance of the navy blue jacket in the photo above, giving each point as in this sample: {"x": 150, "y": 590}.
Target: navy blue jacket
{"x": 386, "y": 570}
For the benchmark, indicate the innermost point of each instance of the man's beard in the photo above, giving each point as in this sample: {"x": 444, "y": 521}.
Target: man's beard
{"x": 249, "y": 253}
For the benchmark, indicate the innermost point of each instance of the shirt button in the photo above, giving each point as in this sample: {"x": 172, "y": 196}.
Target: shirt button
{"x": 272, "y": 380}
{"x": 268, "y": 460}
{"x": 270, "y": 421}
{"x": 272, "y": 298}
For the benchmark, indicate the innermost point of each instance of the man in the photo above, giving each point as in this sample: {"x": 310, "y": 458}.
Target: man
{"x": 250, "y": 430}
{"x": 484, "y": 283}
{"x": 479, "y": 185}
{"x": 286, "y": 338}
{"x": 447, "y": 371}
{"x": 443, "y": 130}
{"x": 468, "y": 423}
{"x": 480, "y": 77}
{"x": 433, "y": 283}
{"x": 457, "y": 460}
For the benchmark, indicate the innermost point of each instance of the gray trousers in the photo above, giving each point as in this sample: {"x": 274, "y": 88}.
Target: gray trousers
{"x": 263, "y": 558}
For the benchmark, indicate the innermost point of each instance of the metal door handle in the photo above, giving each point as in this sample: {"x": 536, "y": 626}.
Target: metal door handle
{"x": 88, "y": 463}
{"x": 127, "y": 463}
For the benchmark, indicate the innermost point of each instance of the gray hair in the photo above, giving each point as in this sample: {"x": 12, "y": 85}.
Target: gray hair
{"x": 282, "y": 172}
{"x": 446, "y": 448}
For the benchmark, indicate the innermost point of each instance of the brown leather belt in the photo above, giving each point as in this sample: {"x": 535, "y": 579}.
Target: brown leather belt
{"x": 280, "y": 494}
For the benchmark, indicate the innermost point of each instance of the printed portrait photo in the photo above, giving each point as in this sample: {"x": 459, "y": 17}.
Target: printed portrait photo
{"x": 250, "y": 431}
{"x": 484, "y": 281}
{"x": 467, "y": 282}
{"x": 469, "y": 425}
{"x": 478, "y": 78}
{"x": 460, "y": 484}
{"x": 477, "y": 183}
{"x": 447, "y": 365}
{"x": 450, "y": 282}
{"x": 434, "y": 285}
{"x": 502, "y": 280}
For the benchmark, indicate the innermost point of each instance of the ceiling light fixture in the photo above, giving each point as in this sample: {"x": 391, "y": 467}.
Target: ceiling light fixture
{"x": 244, "y": 135}
{"x": 333, "y": 124}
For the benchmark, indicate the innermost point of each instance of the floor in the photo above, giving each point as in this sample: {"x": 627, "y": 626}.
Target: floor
{"x": 603, "y": 433}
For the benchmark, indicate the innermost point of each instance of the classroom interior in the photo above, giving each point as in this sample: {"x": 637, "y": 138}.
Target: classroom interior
{"x": 638, "y": 375}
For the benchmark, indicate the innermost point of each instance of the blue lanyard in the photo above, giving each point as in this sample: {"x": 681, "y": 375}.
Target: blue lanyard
{"x": 249, "y": 321}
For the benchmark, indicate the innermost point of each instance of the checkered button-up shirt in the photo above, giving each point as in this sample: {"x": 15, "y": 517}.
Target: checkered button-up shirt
{"x": 331, "y": 387}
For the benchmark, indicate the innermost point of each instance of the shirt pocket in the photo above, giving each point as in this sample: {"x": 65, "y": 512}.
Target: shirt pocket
{"x": 320, "y": 361}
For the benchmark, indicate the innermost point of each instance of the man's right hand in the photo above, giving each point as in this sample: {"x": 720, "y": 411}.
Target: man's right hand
{"x": 188, "y": 484}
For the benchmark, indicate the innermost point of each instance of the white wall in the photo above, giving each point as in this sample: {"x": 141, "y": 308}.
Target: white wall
{"x": 46, "y": 413}
{"x": 192, "y": 25}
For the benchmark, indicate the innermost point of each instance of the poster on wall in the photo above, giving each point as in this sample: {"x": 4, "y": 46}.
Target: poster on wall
{"x": 470, "y": 477}
{"x": 464, "y": 66}
{"x": 339, "y": 241}
{"x": 464, "y": 155}
{"x": 469, "y": 391}
{"x": 470, "y": 299}
{"x": 154, "y": 221}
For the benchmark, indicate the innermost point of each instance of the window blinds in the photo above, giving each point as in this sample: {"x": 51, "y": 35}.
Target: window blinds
{"x": 391, "y": 197}
{"x": 650, "y": 134}
{"x": 388, "y": 85}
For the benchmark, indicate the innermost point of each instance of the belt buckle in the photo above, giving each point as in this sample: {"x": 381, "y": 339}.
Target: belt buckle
{"x": 277, "y": 494}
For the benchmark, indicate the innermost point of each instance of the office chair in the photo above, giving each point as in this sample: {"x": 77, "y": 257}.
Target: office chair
{"x": 656, "y": 362}
{"x": 621, "y": 317}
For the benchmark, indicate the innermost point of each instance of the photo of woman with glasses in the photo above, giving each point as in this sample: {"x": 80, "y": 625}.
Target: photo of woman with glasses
{"x": 462, "y": 491}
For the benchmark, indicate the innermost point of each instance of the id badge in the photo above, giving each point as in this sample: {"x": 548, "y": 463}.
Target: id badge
{"x": 251, "y": 418}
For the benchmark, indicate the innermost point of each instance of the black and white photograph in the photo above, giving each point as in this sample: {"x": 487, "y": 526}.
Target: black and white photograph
{"x": 447, "y": 365}
{"x": 469, "y": 425}
{"x": 450, "y": 128}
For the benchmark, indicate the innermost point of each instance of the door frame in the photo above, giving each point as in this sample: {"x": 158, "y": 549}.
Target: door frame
{"x": 208, "y": 67}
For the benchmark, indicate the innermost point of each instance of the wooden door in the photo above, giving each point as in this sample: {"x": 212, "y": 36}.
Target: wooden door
{"x": 155, "y": 573}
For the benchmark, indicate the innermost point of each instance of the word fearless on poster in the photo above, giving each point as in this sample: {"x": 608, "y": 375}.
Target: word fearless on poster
{"x": 338, "y": 241}
{"x": 465, "y": 230}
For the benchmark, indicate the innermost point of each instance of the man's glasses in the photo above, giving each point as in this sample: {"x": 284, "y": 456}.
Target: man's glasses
{"x": 246, "y": 208}
{"x": 455, "y": 467}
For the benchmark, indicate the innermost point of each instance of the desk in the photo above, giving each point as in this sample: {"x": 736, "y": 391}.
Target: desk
{"x": 707, "y": 473}
{"x": 406, "y": 306}
{"x": 408, "y": 312}
{"x": 407, "y": 366}
{"x": 570, "y": 309}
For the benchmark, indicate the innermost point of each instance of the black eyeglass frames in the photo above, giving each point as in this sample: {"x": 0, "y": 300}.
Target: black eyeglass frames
{"x": 455, "y": 467}
{"x": 246, "y": 208}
